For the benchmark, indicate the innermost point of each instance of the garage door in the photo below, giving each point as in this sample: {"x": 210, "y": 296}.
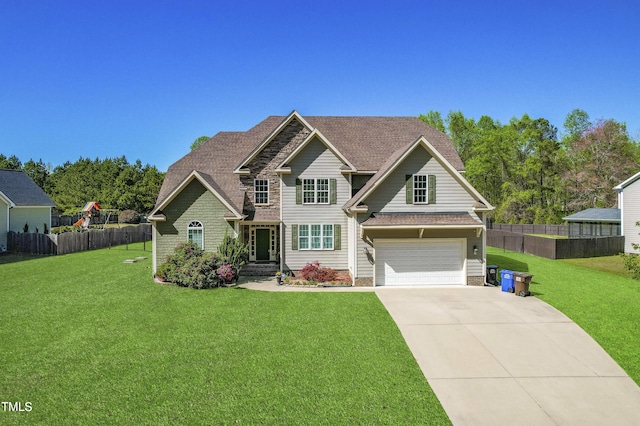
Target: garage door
{"x": 419, "y": 262}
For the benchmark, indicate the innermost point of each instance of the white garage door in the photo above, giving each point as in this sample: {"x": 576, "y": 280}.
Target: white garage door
{"x": 419, "y": 262}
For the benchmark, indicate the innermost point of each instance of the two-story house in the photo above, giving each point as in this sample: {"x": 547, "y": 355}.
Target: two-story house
{"x": 380, "y": 197}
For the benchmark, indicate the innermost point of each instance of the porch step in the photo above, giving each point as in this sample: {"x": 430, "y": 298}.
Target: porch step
{"x": 259, "y": 269}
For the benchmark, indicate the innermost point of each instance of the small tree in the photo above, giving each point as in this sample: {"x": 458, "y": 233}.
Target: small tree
{"x": 632, "y": 261}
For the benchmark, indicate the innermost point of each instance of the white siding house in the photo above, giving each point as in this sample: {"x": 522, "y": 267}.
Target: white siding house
{"x": 629, "y": 204}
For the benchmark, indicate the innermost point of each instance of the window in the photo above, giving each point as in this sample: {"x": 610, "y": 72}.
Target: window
{"x": 315, "y": 191}
{"x": 261, "y": 191}
{"x": 195, "y": 233}
{"x": 420, "y": 189}
{"x": 315, "y": 237}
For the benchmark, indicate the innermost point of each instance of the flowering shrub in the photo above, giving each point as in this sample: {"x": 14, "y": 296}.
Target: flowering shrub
{"x": 226, "y": 273}
{"x": 190, "y": 266}
{"x": 314, "y": 272}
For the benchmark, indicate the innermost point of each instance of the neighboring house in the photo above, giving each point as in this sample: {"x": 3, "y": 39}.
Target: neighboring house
{"x": 629, "y": 204}
{"x": 594, "y": 222}
{"x": 380, "y": 197}
{"x": 22, "y": 202}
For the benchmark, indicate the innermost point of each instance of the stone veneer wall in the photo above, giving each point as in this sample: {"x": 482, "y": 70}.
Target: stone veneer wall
{"x": 263, "y": 166}
{"x": 364, "y": 282}
{"x": 475, "y": 280}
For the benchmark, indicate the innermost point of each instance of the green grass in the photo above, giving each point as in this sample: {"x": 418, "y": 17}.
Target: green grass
{"x": 605, "y": 305}
{"x": 555, "y": 237}
{"x": 610, "y": 264}
{"x": 89, "y": 340}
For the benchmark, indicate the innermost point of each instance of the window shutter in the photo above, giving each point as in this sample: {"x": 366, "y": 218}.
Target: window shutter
{"x": 409, "y": 188}
{"x": 294, "y": 237}
{"x": 337, "y": 237}
{"x": 333, "y": 195}
{"x": 432, "y": 189}
{"x": 298, "y": 193}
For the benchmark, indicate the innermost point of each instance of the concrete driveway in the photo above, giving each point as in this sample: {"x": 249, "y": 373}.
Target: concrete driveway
{"x": 494, "y": 358}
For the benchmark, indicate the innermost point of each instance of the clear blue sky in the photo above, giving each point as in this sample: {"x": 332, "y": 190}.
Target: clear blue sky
{"x": 145, "y": 78}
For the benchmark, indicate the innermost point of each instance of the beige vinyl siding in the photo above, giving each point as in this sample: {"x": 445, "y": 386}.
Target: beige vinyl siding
{"x": 390, "y": 196}
{"x": 365, "y": 256}
{"x": 451, "y": 196}
{"x": 315, "y": 161}
{"x": 36, "y": 217}
{"x": 351, "y": 244}
{"x": 4, "y": 216}
{"x": 631, "y": 215}
{"x": 195, "y": 202}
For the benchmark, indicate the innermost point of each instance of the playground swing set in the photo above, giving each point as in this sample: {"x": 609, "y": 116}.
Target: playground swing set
{"x": 93, "y": 210}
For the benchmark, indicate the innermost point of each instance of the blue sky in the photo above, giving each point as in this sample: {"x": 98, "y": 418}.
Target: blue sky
{"x": 145, "y": 78}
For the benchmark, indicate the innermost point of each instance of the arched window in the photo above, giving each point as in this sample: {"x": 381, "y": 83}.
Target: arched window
{"x": 195, "y": 233}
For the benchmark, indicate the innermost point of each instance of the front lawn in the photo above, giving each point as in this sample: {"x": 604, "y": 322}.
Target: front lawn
{"x": 87, "y": 339}
{"x": 605, "y": 305}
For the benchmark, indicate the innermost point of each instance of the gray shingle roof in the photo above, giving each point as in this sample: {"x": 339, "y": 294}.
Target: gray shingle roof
{"x": 421, "y": 219}
{"x": 595, "y": 215}
{"x": 22, "y": 190}
{"x": 366, "y": 142}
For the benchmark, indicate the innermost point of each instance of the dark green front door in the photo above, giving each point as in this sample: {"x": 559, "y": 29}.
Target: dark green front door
{"x": 263, "y": 240}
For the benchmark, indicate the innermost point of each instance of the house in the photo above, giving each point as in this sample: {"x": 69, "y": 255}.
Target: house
{"x": 629, "y": 204}
{"x": 383, "y": 198}
{"x": 594, "y": 222}
{"x": 22, "y": 202}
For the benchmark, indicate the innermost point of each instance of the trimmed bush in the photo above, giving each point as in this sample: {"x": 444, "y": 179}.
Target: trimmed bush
{"x": 190, "y": 266}
{"x": 129, "y": 216}
{"x": 314, "y": 272}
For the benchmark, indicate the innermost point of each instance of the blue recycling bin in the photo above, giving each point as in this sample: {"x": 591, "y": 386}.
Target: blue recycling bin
{"x": 506, "y": 279}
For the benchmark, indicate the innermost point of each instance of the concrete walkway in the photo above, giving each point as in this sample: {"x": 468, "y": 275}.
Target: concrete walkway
{"x": 493, "y": 358}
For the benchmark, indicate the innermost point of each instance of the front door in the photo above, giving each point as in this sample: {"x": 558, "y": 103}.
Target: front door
{"x": 263, "y": 241}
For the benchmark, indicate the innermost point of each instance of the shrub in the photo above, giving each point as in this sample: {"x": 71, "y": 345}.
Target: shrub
{"x": 226, "y": 273}
{"x": 129, "y": 216}
{"x": 631, "y": 264}
{"x": 233, "y": 251}
{"x": 190, "y": 266}
{"x": 314, "y": 272}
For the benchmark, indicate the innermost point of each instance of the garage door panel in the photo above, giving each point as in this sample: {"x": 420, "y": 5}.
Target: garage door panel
{"x": 419, "y": 263}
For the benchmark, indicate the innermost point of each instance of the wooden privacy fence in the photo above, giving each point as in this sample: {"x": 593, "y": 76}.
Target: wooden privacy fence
{"x": 532, "y": 229}
{"x": 71, "y": 242}
{"x": 555, "y": 248}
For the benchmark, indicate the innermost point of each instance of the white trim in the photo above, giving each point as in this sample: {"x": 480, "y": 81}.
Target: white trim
{"x": 253, "y": 154}
{"x": 315, "y": 191}
{"x": 255, "y": 192}
{"x": 627, "y": 182}
{"x": 154, "y": 249}
{"x": 7, "y": 200}
{"x": 322, "y": 237}
{"x": 195, "y": 175}
{"x": 426, "y": 188}
{"x": 198, "y": 227}
{"x": 465, "y": 278}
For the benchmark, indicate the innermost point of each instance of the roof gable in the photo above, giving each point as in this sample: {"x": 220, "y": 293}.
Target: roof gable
{"x": 21, "y": 191}
{"x": 208, "y": 183}
{"x": 254, "y": 153}
{"x": 627, "y": 182}
{"x": 395, "y": 161}
{"x": 316, "y": 134}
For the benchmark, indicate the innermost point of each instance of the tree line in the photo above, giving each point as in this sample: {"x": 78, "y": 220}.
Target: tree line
{"x": 113, "y": 182}
{"x": 532, "y": 175}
